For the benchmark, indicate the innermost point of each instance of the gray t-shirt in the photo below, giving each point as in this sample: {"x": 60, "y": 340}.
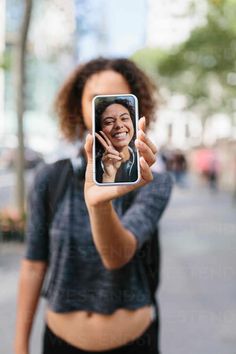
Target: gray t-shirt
{"x": 76, "y": 277}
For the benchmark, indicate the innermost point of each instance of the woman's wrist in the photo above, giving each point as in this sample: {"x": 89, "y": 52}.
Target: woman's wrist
{"x": 100, "y": 208}
{"x": 106, "y": 178}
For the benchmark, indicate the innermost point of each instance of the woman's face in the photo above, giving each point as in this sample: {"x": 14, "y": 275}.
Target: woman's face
{"x": 117, "y": 124}
{"x": 107, "y": 82}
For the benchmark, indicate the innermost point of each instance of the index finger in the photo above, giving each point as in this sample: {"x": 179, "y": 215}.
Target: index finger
{"x": 142, "y": 123}
{"x": 148, "y": 141}
{"x": 102, "y": 141}
{"x": 105, "y": 137}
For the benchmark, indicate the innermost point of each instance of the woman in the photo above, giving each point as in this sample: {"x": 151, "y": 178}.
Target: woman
{"x": 98, "y": 298}
{"x": 115, "y": 120}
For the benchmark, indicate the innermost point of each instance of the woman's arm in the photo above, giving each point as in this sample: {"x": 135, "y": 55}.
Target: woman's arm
{"x": 35, "y": 260}
{"x": 30, "y": 282}
{"x": 115, "y": 243}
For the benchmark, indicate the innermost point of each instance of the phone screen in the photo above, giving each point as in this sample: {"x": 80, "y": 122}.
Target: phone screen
{"x": 115, "y": 119}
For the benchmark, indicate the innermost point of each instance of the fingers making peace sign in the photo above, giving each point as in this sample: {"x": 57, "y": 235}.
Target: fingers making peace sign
{"x": 111, "y": 158}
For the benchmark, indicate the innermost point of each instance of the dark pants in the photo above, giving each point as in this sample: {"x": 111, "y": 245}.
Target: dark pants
{"x": 147, "y": 343}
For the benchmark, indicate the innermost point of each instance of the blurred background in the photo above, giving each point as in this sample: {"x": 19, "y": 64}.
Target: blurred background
{"x": 188, "y": 47}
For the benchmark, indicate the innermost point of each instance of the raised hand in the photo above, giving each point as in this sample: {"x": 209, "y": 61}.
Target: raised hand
{"x": 111, "y": 158}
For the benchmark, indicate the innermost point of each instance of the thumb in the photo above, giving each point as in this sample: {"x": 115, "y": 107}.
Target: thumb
{"x": 88, "y": 148}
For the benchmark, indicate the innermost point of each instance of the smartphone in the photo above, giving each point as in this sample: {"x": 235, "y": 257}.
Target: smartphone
{"x": 115, "y": 125}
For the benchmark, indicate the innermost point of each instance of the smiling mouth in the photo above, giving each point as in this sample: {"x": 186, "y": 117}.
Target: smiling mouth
{"x": 122, "y": 135}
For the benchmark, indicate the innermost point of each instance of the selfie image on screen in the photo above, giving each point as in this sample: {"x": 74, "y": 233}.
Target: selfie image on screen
{"x": 116, "y": 159}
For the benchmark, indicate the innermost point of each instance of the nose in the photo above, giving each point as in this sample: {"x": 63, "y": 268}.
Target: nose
{"x": 118, "y": 124}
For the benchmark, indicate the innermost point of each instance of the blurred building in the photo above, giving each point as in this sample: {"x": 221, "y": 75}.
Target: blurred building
{"x": 177, "y": 127}
{"x": 62, "y": 34}
{"x": 170, "y": 22}
{"x": 49, "y": 55}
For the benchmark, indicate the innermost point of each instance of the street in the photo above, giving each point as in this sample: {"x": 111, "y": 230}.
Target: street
{"x": 197, "y": 295}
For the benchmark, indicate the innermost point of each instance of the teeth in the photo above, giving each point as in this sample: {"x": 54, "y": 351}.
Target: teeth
{"x": 120, "y": 135}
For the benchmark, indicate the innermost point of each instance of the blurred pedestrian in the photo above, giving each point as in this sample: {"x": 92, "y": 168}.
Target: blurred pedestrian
{"x": 213, "y": 171}
{"x": 179, "y": 168}
{"x": 207, "y": 164}
{"x": 98, "y": 299}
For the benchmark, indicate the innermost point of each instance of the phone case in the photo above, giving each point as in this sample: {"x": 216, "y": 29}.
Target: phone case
{"x": 109, "y": 113}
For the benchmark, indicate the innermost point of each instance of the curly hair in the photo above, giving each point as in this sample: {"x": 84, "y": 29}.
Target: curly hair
{"x": 103, "y": 104}
{"x": 68, "y": 104}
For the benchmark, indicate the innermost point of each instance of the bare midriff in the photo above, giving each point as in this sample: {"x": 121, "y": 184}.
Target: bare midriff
{"x": 95, "y": 331}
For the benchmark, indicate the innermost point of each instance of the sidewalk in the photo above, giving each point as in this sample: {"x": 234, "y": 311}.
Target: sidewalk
{"x": 198, "y": 289}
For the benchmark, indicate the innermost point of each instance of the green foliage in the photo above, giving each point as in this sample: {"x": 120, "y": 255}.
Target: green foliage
{"x": 203, "y": 68}
{"x": 210, "y": 48}
{"x": 147, "y": 58}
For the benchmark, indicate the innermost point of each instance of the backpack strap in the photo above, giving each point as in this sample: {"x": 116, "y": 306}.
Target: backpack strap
{"x": 60, "y": 175}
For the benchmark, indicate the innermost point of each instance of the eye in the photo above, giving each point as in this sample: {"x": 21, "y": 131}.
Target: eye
{"x": 126, "y": 118}
{"x": 108, "y": 122}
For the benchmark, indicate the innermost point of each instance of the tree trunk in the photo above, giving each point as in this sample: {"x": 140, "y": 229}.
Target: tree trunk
{"x": 20, "y": 81}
